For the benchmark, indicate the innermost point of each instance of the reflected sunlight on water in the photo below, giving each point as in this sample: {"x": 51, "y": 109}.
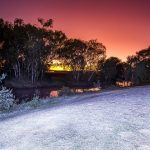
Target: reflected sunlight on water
{"x": 54, "y": 93}
{"x": 87, "y": 90}
{"x": 124, "y": 84}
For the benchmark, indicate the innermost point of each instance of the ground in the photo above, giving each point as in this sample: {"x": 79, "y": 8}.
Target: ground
{"x": 114, "y": 120}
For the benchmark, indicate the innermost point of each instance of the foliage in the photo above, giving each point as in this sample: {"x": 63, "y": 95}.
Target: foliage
{"x": 140, "y": 64}
{"x": 109, "y": 69}
{"x": 6, "y": 97}
{"x": 72, "y": 56}
{"x": 82, "y": 56}
{"x": 35, "y": 100}
{"x": 28, "y": 49}
{"x": 95, "y": 52}
{"x": 65, "y": 91}
{"x": 2, "y": 77}
{"x": 124, "y": 72}
{"x": 72, "y": 52}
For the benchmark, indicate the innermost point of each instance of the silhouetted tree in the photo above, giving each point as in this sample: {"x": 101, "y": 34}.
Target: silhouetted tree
{"x": 72, "y": 54}
{"x": 124, "y": 73}
{"x": 46, "y": 23}
{"x": 27, "y": 49}
{"x": 140, "y": 64}
{"x": 94, "y": 54}
{"x": 109, "y": 69}
{"x": 14, "y": 37}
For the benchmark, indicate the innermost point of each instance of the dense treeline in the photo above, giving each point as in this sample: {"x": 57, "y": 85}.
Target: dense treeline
{"x": 135, "y": 71}
{"x": 27, "y": 51}
{"x": 140, "y": 64}
{"x": 26, "y": 48}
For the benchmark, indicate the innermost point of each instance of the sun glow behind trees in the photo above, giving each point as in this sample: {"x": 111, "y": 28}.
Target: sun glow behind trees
{"x": 28, "y": 51}
{"x": 58, "y": 66}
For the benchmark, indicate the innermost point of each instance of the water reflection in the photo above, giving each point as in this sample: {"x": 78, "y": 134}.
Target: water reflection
{"x": 55, "y": 93}
{"x": 87, "y": 90}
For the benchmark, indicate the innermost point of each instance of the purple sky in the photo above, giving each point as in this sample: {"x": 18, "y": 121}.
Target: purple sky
{"x": 123, "y": 26}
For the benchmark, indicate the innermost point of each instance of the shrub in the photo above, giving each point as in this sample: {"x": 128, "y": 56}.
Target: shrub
{"x": 6, "y": 99}
{"x": 34, "y": 103}
{"x": 65, "y": 91}
{"x": 2, "y": 77}
{"x": 35, "y": 100}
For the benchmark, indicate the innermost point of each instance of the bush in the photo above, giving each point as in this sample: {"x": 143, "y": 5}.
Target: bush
{"x": 35, "y": 100}
{"x": 6, "y": 99}
{"x": 65, "y": 91}
{"x": 2, "y": 77}
{"x": 34, "y": 103}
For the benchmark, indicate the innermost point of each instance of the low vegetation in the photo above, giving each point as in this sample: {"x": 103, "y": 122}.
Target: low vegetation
{"x": 65, "y": 91}
{"x": 7, "y": 99}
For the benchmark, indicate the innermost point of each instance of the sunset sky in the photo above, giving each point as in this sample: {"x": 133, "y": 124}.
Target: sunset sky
{"x": 123, "y": 26}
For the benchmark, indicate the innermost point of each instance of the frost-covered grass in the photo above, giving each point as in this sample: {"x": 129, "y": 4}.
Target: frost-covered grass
{"x": 115, "y": 120}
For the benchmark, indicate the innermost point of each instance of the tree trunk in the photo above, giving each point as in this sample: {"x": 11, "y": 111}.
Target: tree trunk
{"x": 90, "y": 77}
